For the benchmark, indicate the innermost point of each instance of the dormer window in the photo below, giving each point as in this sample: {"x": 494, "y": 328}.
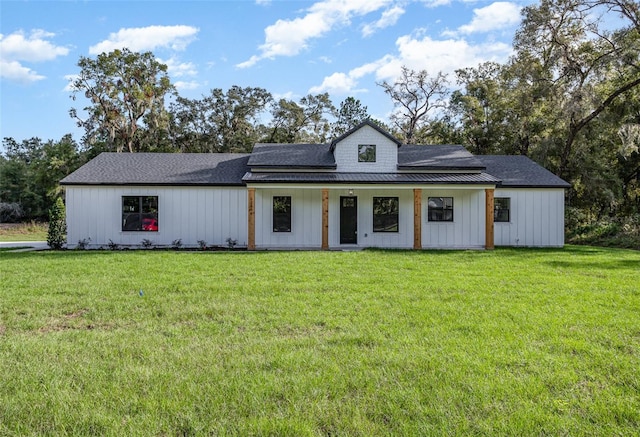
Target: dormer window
{"x": 366, "y": 153}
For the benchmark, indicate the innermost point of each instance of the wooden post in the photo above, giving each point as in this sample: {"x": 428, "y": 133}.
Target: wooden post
{"x": 417, "y": 218}
{"x": 325, "y": 219}
{"x": 489, "y": 238}
{"x": 251, "y": 244}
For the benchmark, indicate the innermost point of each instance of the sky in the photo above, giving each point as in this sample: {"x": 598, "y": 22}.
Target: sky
{"x": 290, "y": 48}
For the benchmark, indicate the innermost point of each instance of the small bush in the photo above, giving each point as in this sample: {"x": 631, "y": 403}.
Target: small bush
{"x": 56, "y": 237}
{"x": 231, "y": 243}
{"x": 202, "y": 244}
{"x": 83, "y": 244}
{"x": 10, "y": 212}
{"x": 146, "y": 243}
{"x": 176, "y": 244}
{"x": 112, "y": 245}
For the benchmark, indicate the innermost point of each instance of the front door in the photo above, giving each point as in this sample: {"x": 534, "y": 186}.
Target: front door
{"x": 348, "y": 220}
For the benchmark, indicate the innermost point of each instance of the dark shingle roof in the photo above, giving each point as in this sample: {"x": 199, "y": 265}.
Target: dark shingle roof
{"x": 440, "y": 157}
{"x": 161, "y": 169}
{"x": 292, "y": 156}
{"x": 520, "y": 172}
{"x": 372, "y": 178}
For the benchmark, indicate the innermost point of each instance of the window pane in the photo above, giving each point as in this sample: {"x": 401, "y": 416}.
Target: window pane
{"x": 140, "y": 213}
{"x": 440, "y": 209}
{"x": 502, "y": 209}
{"x": 385, "y": 214}
{"x": 366, "y": 153}
{"x": 130, "y": 204}
{"x": 282, "y": 214}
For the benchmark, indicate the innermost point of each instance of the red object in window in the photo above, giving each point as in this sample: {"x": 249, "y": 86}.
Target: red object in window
{"x": 149, "y": 224}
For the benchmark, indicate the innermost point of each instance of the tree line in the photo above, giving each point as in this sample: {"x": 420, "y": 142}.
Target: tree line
{"x": 569, "y": 98}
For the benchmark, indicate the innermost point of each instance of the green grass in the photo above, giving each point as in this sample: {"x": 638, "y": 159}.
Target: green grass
{"x": 32, "y": 231}
{"x": 505, "y": 342}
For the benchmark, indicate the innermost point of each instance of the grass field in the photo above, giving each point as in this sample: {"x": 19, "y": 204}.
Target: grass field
{"x": 505, "y": 342}
{"x": 32, "y": 231}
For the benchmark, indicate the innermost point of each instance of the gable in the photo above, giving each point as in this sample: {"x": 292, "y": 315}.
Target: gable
{"x": 366, "y": 150}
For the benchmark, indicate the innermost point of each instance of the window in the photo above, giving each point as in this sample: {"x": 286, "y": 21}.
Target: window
{"x": 281, "y": 213}
{"x": 140, "y": 213}
{"x": 502, "y": 209}
{"x": 440, "y": 209}
{"x": 385, "y": 214}
{"x": 367, "y": 153}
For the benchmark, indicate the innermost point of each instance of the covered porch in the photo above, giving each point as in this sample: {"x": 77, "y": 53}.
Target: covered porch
{"x": 359, "y": 215}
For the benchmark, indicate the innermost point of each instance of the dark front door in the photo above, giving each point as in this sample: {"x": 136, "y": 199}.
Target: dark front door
{"x": 348, "y": 220}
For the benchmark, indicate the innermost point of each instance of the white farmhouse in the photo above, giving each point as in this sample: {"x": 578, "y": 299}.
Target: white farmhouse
{"x": 364, "y": 189}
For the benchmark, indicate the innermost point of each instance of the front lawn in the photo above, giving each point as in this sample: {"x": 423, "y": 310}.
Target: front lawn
{"x": 504, "y": 342}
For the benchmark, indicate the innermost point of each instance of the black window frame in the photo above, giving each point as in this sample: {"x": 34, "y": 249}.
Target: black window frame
{"x": 282, "y": 219}
{"x": 133, "y": 219}
{"x": 445, "y": 211}
{"x": 387, "y": 220}
{"x": 498, "y": 212}
{"x": 366, "y": 155}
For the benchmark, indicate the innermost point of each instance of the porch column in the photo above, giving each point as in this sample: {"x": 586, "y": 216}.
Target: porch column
{"x": 489, "y": 241}
{"x": 417, "y": 218}
{"x": 251, "y": 244}
{"x": 325, "y": 219}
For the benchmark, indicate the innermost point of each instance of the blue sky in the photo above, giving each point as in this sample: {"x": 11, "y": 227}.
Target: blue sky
{"x": 290, "y": 48}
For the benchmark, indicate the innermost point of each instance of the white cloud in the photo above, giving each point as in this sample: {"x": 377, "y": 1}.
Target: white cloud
{"x": 140, "y": 39}
{"x": 16, "y": 48}
{"x": 70, "y": 79}
{"x": 179, "y": 69}
{"x": 493, "y": 17}
{"x": 388, "y": 18}
{"x": 182, "y": 85}
{"x": 337, "y": 83}
{"x": 422, "y": 53}
{"x": 14, "y": 71}
{"x": 290, "y": 37}
{"x": 289, "y": 95}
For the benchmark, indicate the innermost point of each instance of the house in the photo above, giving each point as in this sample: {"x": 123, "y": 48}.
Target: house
{"x": 364, "y": 189}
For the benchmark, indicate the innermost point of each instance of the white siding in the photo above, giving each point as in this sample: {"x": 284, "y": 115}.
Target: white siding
{"x": 212, "y": 214}
{"x": 306, "y": 219}
{"x": 467, "y": 231}
{"x": 346, "y": 152}
{"x": 537, "y": 218}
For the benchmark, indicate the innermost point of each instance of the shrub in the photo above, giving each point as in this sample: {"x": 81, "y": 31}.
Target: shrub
{"x": 56, "y": 237}
{"x": 10, "y": 212}
{"x": 202, "y": 244}
{"x": 112, "y": 245}
{"x": 82, "y": 244}
{"x": 146, "y": 243}
{"x": 176, "y": 244}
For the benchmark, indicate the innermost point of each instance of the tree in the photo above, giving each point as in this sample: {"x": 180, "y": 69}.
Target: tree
{"x": 220, "y": 122}
{"x": 56, "y": 235}
{"x": 416, "y": 96}
{"x": 350, "y": 114}
{"x": 31, "y": 171}
{"x": 125, "y": 89}
{"x": 578, "y": 66}
{"x": 305, "y": 121}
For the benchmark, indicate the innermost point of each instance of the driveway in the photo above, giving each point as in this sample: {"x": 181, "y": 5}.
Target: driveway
{"x": 31, "y": 245}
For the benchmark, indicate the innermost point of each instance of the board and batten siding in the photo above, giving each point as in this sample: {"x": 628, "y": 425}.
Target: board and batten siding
{"x": 346, "y": 153}
{"x": 537, "y": 218}
{"x": 467, "y": 231}
{"x": 211, "y": 214}
{"x": 306, "y": 219}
